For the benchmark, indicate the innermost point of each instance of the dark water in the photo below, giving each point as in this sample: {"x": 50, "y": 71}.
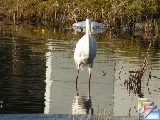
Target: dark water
{"x": 37, "y": 71}
{"x": 22, "y": 75}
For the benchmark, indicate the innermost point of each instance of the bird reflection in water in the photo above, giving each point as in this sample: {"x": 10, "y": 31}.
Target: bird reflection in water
{"x": 82, "y": 104}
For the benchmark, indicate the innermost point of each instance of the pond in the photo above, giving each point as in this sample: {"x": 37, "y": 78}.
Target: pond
{"x": 38, "y": 73}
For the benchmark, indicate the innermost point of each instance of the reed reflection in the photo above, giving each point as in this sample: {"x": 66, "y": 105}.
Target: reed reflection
{"x": 134, "y": 82}
{"x": 135, "y": 77}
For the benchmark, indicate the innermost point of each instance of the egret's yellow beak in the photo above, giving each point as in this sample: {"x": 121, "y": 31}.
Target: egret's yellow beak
{"x": 89, "y": 31}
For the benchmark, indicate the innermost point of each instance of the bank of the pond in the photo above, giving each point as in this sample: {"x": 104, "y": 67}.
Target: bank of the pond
{"x": 61, "y": 13}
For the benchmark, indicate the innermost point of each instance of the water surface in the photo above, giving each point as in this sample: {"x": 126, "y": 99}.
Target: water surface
{"x": 38, "y": 71}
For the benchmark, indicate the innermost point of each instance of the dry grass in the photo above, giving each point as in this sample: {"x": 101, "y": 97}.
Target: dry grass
{"x": 61, "y": 13}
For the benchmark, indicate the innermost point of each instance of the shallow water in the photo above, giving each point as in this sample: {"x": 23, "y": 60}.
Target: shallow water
{"x": 38, "y": 71}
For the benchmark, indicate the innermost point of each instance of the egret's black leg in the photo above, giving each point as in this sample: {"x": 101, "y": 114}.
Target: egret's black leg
{"x": 89, "y": 93}
{"x": 77, "y": 83}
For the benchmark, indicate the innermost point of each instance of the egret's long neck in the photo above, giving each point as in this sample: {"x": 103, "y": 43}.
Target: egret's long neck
{"x": 88, "y": 28}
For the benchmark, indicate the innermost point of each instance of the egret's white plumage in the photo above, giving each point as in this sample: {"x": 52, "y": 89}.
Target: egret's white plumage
{"x": 86, "y": 49}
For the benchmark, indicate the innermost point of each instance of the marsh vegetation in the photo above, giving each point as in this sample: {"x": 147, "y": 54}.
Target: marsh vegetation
{"x": 63, "y": 13}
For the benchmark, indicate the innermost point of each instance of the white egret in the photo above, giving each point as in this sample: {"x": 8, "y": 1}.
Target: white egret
{"x": 85, "y": 51}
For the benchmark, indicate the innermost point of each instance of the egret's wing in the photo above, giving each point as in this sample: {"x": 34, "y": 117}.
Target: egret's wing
{"x": 78, "y": 49}
{"x": 81, "y": 52}
{"x": 81, "y": 48}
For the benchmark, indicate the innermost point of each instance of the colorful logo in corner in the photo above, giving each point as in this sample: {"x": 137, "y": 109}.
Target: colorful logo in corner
{"x": 147, "y": 109}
